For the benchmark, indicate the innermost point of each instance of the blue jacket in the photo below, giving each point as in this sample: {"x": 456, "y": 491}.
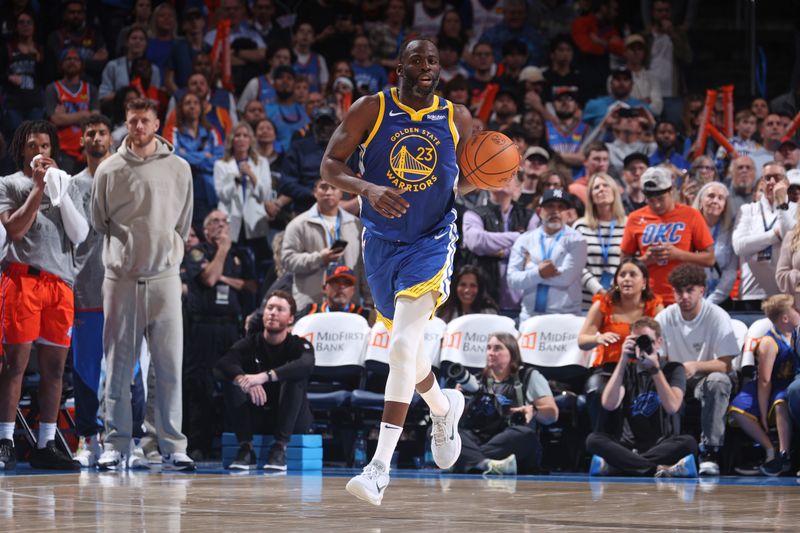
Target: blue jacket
{"x": 201, "y": 153}
{"x": 300, "y": 170}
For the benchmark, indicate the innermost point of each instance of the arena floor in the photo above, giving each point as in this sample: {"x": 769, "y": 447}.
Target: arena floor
{"x": 216, "y": 500}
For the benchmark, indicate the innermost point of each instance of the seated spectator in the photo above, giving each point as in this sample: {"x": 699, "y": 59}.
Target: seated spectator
{"x": 243, "y": 183}
{"x": 633, "y": 167}
{"x": 489, "y": 233}
{"x": 262, "y": 87}
{"x": 596, "y": 36}
{"x": 788, "y": 154}
{"x": 482, "y": 83}
{"x": 427, "y": 17}
{"x": 324, "y": 235}
{"x": 665, "y": 234}
{"x": 513, "y": 26}
{"x": 216, "y": 114}
{"x": 712, "y": 202}
{"x": 286, "y": 113}
{"x": 608, "y": 323}
{"x": 186, "y": 49}
{"x": 504, "y": 111}
{"x": 471, "y": 295}
{"x": 640, "y": 437}
{"x": 307, "y": 62}
{"x": 760, "y": 108}
{"x": 698, "y": 334}
{"x": 625, "y": 126}
{"x": 142, "y": 80}
{"x": 513, "y": 60}
{"x": 771, "y": 131}
{"x": 645, "y": 86}
{"x": 370, "y": 76}
{"x": 196, "y": 141}
{"x": 497, "y": 438}
{"x": 139, "y": 16}
{"x": 595, "y": 161}
{"x": 116, "y": 73}
{"x": 21, "y": 62}
{"x": 743, "y": 141}
{"x": 562, "y": 71}
{"x": 219, "y": 274}
{"x": 254, "y": 112}
{"x": 75, "y": 31}
{"x": 602, "y": 229}
{"x": 668, "y": 48}
{"x": 300, "y": 169}
{"x": 162, "y": 42}
{"x": 793, "y": 176}
{"x": 339, "y": 288}
{"x": 566, "y": 131}
{"x": 546, "y": 263}
{"x": 620, "y": 88}
{"x": 760, "y": 229}
{"x": 387, "y": 35}
{"x": 666, "y": 136}
{"x": 703, "y": 168}
{"x": 68, "y": 102}
{"x": 450, "y": 52}
{"x": 741, "y": 182}
{"x": 267, "y": 146}
{"x": 266, "y": 380}
{"x": 762, "y": 401}
{"x": 208, "y": 89}
{"x": 118, "y": 106}
{"x": 535, "y": 164}
{"x": 247, "y": 47}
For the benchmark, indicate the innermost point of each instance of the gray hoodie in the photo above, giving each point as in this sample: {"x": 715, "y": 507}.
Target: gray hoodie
{"x": 143, "y": 208}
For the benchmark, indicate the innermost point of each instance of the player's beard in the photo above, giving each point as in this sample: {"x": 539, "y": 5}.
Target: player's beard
{"x": 98, "y": 153}
{"x": 413, "y": 87}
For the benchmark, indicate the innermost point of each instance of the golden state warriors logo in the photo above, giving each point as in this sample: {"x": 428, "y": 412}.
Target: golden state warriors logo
{"x": 412, "y": 159}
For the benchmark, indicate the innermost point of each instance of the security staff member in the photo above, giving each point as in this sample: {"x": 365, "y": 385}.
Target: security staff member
{"x": 218, "y": 274}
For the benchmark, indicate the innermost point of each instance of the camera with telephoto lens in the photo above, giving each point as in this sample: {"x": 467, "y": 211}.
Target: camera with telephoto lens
{"x": 645, "y": 344}
{"x": 462, "y": 376}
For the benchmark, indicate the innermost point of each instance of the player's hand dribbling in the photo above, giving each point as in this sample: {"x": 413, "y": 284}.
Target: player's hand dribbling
{"x": 388, "y": 201}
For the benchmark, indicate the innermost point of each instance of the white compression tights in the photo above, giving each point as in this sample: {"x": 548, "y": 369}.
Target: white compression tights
{"x": 408, "y": 362}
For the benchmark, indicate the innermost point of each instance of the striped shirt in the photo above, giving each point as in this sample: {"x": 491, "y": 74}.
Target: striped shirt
{"x": 591, "y": 279}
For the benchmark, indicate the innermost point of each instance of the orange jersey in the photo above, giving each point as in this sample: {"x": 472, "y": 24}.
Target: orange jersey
{"x": 683, "y": 227}
{"x": 69, "y": 137}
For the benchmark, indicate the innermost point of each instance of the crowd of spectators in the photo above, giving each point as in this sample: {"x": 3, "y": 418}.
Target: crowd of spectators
{"x": 614, "y": 195}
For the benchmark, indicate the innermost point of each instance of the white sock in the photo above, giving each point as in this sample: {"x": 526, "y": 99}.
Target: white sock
{"x": 7, "y": 430}
{"x": 387, "y": 442}
{"x": 770, "y": 454}
{"x": 47, "y": 432}
{"x": 436, "y": 400}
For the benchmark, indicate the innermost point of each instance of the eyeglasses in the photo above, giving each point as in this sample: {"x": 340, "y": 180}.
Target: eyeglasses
{"x": 773, "y": 177}
{"x": 218, "y": 221}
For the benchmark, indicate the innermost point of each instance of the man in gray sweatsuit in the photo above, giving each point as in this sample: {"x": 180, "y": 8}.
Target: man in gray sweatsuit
{"x": 142, "y": 205}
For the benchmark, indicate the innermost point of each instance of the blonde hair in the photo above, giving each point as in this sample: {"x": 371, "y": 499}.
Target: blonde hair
{"x": 777, "y": 305}
{"x": 152, "y": 31}
{"x": 251, "y": 153}
{"x": 616, "y": 207}
{"x": 727, "y": 217}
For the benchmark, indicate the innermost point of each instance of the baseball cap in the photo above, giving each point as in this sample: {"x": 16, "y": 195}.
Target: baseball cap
{"x": 561, "y": 90}
{"x": 323, "y": 112}
{"x": 789, "y": 143}
{"x": 556, "y": 195}
{"x": 635, "y": 156}
{"x": 622, "y": 70}
{"x": 656, "y": 180}
{"x": 532, "y": 74}
{"x": 635, "y": 38}
{"x": 69, "y": 52}
{"x": 341, "y": 271}
{"x": 794, "y": 177}
{"x": 280, "y": 70}
{"x": 537, "y": 150}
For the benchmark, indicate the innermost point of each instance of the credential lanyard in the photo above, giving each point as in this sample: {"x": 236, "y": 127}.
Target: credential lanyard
{"x": 334, "y": 235}
{"x": 541, "y": 288}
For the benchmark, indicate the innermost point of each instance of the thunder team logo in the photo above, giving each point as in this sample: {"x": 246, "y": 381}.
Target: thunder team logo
{"x": 412, "y": 159}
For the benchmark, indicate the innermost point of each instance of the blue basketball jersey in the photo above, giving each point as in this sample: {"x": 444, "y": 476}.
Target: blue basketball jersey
{"x": 416, "y": 151}
{"x": 783, "y": 367}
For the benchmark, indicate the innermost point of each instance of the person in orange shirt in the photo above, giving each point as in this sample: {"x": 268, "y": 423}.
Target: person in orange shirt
{"x": 665, "y": 233}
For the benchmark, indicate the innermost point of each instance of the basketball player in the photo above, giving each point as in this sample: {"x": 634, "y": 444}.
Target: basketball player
{"x": 409, "y": 140}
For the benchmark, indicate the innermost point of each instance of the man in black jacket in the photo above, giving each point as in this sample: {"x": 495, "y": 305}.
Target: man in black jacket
{"x": 266, "y": 380}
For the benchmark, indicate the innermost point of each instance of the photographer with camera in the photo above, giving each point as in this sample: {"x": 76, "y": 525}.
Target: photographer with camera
{"x": 643, "y": 398}
{"x": 498, "y": 429}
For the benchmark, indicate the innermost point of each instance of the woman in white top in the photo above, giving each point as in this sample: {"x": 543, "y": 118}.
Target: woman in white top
{"x": 712, "y": 202}
{"x": 602, "y": 228}
{"x": 243, "y": 183}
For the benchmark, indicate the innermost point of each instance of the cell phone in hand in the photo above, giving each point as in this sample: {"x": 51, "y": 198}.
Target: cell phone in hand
{"x": 338, "y": 245}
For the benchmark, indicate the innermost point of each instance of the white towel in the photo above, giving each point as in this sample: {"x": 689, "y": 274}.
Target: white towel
{"x": 56, "y": 183}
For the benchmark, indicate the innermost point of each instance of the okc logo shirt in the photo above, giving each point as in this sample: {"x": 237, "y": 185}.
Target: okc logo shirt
{"x": 683, "y": 227}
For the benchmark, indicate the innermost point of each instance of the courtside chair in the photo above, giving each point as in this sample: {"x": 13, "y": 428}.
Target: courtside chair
{"x": 466, "y": 337}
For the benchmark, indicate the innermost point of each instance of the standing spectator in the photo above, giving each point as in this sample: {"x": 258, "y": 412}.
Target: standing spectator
{"x": 668, "y": 49}
{"x": 471, "y": 295}
{"x": 620, "y": 88}
{"x": 666, "y": 135}
{"x": 562, "y": 72}
{"x": 596, "y": 37}
{"x": 370, "y": 76}
{"x": 645, "y": 87}
{"x": 262, "y": 87}
{"x": 387, "y": 36}
{"x": 68, "y": 102}
{"x": 490, "y": 232}
{"x": 504, "y": 111}
{"x": 76, "y": 32}
{"x": 43, "y": 223}
{"x": 772, "y": 130}
{"x": 21, "y": 62}
{"x": 643, "y": 399}
{"x": 308, "y": 63}
{"x": 788, "y": 154}
{"x": 535, "y": 163}
{"x": 162, "y": 41}
{"x": 263, "y": 22}
{"x": 515, "y": 13}
{"x": 267, "y": 146}
{"x": 595, "y": 160}
{"x": 266, "y": 381}
{"x": 196, "y": 141}
{"x": 665, "y": 233}
{"x": 243, "y": 183}
{"x": 219, "y": 273}
{"x": 248, "y": 49}
{"x": 742, "y": 181}
{"x": 483, "y": 82}
{"x": 450, "y": 50}
{"x": 626, "y": 129}
{"x": 764, "y": 398}
{"x": 186, "y": 50}
{"x": 144, "y": 220}
{"x": 744, "y": 141}
{"x": 698, "y": 334}
{"x": 308, "y": 245}
{"x": 213, "y": 107}
{"x": 254, "y": 113}
{"x": 704, "y": 170}
{"x": 633, "y": 167}
{"x": 116, "y": 73}
{"x": 211, "y": 93}
{"x": 287, "y": 114}
{"x": 141, "y": 78}
{"x": 494, "y": 443}
{"x": 300, "y": 169}
{"x": 602, "y": 229}
{"x": 787, "y": 272}
{"x": 513, "y": 60}
{"x": 546, "y": 263}
{"x": 712, "y": 202}
{"x": 427, "y": 17}
{"x": 140, "y": 16}
{"x": 566, "y": 131}
{"x": 760, "y": 229}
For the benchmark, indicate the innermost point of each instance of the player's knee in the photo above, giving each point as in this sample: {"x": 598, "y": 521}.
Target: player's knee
{"x": 401, "y": 351}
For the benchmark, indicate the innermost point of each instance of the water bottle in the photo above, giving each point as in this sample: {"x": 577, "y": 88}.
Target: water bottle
{"x": 360, "y": 451}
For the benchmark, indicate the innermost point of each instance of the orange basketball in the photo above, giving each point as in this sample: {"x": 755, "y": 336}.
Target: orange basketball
{"x": 489, "y": 160}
